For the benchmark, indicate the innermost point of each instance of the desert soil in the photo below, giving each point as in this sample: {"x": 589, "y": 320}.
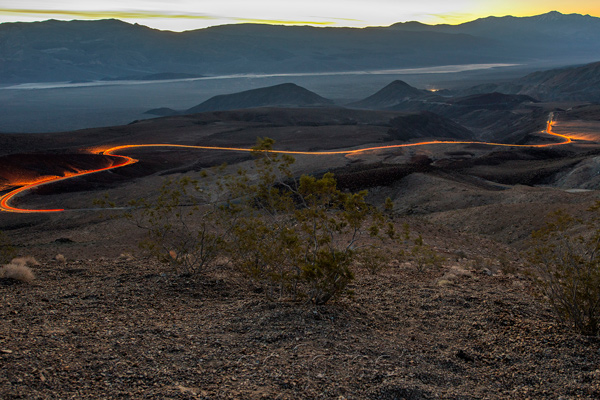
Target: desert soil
{"x": 128, "y": 327}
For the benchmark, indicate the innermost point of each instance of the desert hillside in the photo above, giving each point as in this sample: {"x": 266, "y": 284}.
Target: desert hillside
{"x": 454, "y": 312}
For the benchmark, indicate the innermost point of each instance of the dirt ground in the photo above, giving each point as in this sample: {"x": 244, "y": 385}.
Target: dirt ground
{"x": 128, "y": 327}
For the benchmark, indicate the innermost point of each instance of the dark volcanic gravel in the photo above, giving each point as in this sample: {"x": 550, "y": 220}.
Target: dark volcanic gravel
{"x": 130, "y": 329}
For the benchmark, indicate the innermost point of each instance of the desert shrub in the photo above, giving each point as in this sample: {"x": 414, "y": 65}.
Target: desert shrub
{"x": 7, "y": 251}
{"x": 60, "y": 259}
{"x": 183, "y": 225}
{"x": 423, "y": 255}
{"x": 413, "y": 248}
{"x": 125, "y": 257}
{"x": 298, "y": 237}
{"x": 506, "y": 266}
{"x": 374, "y": 258}
{"x": 566, "y": 264}
{"x": 27, "y": 260}
{"x": 19, "y": 270}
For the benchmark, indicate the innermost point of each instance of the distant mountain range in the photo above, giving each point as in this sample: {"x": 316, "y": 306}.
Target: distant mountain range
{"x": 112, "y": 49}
{"x": 581, "y": 83}
{"x": 502, "y": 112}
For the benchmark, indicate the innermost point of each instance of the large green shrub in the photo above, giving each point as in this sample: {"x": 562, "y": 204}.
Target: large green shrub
{"x": 298, "y": 237}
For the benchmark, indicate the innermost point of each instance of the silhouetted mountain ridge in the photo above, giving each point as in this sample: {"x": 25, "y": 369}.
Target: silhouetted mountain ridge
{"x": 488, "y": 116}
{"x": 109, "y": 49}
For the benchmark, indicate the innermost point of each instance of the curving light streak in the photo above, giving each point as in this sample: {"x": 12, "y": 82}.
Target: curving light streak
{"x": 4, "y": 200}
{"x": 125, "y": 160}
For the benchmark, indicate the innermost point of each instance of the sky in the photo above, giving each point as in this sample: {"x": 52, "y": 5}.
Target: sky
{"x": 180, "y": 15}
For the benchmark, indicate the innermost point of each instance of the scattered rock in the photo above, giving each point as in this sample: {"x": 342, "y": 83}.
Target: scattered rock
{"x": 464, "y": 356}
{"x": 63, "y": 240}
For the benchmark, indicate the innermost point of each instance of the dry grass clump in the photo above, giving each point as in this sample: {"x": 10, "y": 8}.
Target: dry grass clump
{"x": 125, "y": 257}
{"x": 18, "y": 269}
{"x": 27, "y": 260}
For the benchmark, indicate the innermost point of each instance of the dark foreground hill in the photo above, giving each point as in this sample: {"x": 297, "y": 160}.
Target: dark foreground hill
{"x": 491, "y": 101}
{"x": 292, "y": 128}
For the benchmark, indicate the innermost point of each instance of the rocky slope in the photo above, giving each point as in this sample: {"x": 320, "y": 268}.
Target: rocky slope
{"x": 579, "y": 83}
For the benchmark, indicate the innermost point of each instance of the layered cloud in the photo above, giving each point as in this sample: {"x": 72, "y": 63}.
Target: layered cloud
{"x": 187, "y": 14}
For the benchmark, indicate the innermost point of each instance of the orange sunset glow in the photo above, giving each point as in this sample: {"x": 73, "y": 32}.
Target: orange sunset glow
{"x": 187, "y": 15}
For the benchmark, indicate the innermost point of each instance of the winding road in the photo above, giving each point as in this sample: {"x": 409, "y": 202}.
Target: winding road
{"x": 5, "y": 201}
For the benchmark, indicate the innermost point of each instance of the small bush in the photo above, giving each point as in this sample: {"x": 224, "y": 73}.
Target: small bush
{"x": 18, "y": 270}
{"x": 125, "y": 257}
{"x": 60, "y": 259}
{"x": 184, "y": 226}
{"x": 565, "y": 261}
{"x": 27, "y": 260}
{"x": 424, "y": 256}
{"x": 413, "y": 248}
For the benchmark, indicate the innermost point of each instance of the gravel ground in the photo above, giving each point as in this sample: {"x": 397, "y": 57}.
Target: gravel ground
{"x": 126, "y": 328}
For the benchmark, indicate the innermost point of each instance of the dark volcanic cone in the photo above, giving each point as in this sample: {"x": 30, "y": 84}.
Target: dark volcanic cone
{"x": 284, "y": 95}
{"x": 390, "y": 96}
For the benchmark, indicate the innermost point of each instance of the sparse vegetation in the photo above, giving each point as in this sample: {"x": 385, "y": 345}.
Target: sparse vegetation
{"x": 566, "y": 265}
{"x": 423, "y": 255}
{"x": 19, "y": 270}
{"x": 414, "y": 248}
{"x": 183, "y": 226}
{"x": 299, "y": 237}
{"x": 7, "y": 251}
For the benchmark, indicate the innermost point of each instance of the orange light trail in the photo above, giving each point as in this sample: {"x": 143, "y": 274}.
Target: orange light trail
{"x": 125, "y": 160}
{"x": 4, "y": 200}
